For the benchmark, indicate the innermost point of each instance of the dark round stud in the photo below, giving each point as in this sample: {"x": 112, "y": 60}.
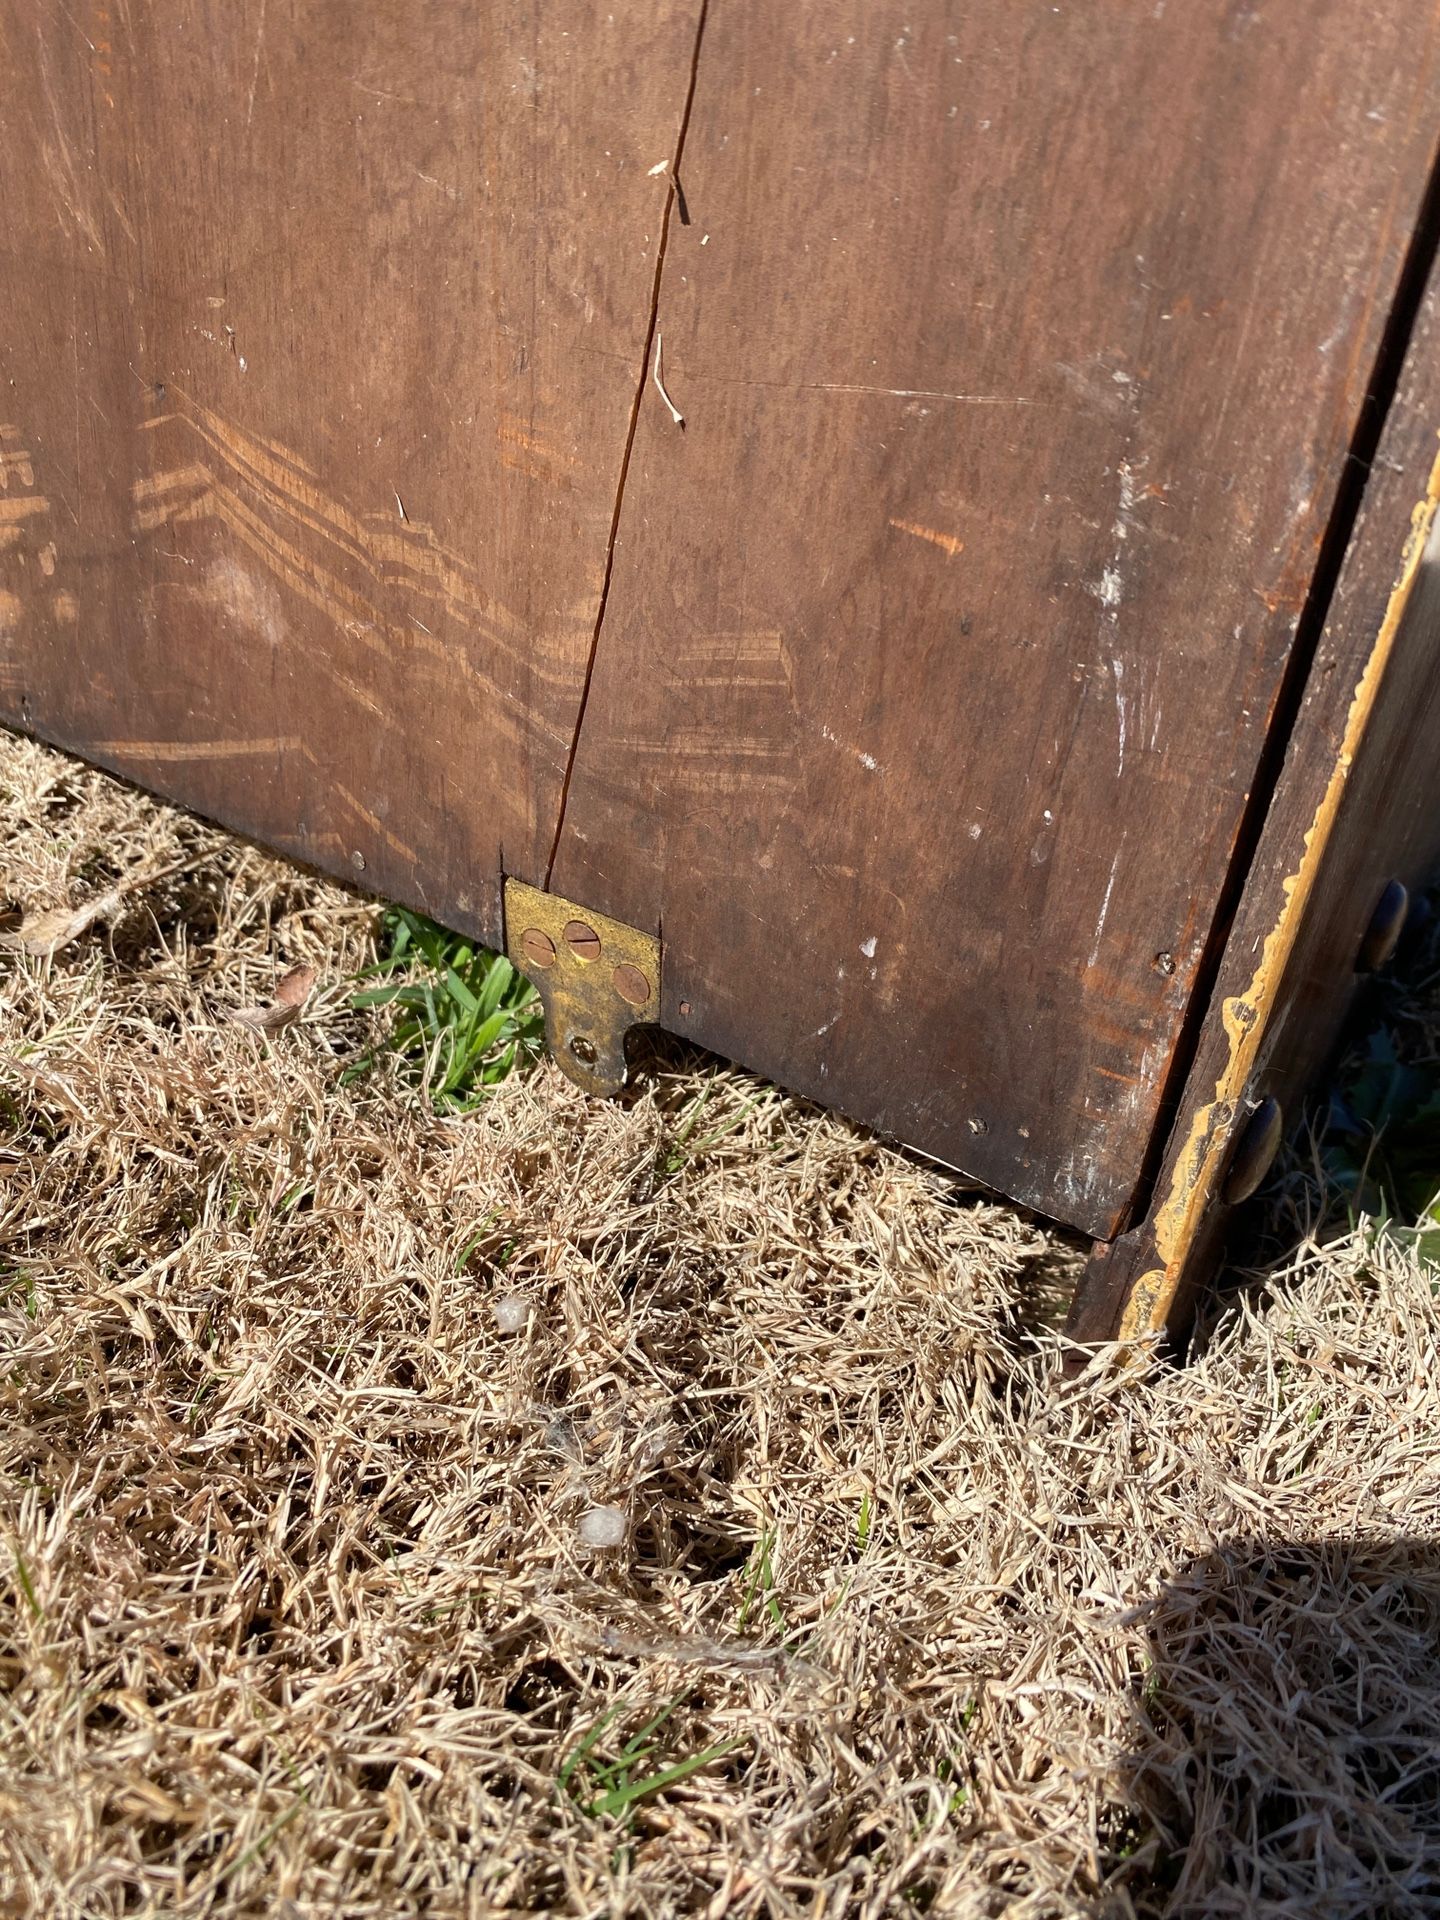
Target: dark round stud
{"x": 1254, "y": 1152}
{"x": 1387, "y": 923}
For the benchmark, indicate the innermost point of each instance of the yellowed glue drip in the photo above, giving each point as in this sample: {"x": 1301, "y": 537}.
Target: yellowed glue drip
{"x": 1199, "y": 1165}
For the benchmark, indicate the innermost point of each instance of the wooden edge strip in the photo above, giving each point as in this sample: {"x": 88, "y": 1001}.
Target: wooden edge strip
{"x": 1199, "y": 1164}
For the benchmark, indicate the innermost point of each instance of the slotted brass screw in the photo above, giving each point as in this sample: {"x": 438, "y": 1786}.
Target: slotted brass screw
{"x": 631, "y": 984}
{"x": 537, "y": 947}
{"x": 582, "y": 940}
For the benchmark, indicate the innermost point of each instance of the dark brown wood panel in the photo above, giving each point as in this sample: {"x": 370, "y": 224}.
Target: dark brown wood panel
{"x": 321, "y": 335}
{"x": 1357, "y": 804}
{"x": 1018, "y": 349}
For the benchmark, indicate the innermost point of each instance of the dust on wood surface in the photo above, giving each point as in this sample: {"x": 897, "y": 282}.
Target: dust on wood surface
{"x": 372, "y": 1484}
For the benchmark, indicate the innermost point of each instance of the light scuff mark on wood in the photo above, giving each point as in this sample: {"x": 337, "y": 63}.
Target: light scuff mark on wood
{"x": 160, "y": 751}
{"x": 15, "y": 461}
{"x": 14, "y": 512}
{"x": 949, "y": 543}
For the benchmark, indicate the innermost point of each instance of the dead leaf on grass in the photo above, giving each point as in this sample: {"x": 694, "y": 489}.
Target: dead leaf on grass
{"x": 290, "y": 996}
{"x": 45, "y": 933}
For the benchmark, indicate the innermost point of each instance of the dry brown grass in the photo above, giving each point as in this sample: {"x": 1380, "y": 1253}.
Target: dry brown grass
{"x": 313, "y": 1400}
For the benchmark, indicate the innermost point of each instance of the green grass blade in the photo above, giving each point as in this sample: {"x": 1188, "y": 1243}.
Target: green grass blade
{"x": 626, "y": 1796}
{"x": 587, "y": 1743}
{"x": 460, "y": 993}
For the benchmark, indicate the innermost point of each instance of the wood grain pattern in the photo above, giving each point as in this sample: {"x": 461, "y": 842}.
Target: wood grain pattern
{"x": 1357, "y": 803}
{"x": 1018, "y": 350}
{"x": 323, "y": 327}
{"x": 873, "y": 560}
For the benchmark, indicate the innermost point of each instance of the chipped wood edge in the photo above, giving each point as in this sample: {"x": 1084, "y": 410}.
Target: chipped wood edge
{"x": 1200, "y": 1163}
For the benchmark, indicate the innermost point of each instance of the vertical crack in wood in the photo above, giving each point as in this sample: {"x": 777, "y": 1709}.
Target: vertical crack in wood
{"x": 648, "y": 349}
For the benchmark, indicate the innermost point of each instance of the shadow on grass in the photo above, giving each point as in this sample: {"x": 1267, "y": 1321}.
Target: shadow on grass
{"x": 1287, "y": 1743}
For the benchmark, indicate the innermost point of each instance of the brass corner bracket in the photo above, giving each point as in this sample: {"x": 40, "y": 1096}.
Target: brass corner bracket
{"x": 596, "y": 979}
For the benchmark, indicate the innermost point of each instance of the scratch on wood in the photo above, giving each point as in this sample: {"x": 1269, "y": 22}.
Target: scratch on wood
{"x": 523, "y": 451}
{"x": 22, "y": 508}
{"x": 412, "y": 550}
{"x": 15, "y": 462}
{"x": 947, "y": 542}
{"x": 375, "y": 824}
{"x": 265, "y": 499}
{"x": 255, "y": 71}
{"x": 59, "y": 162}
{"x": 928, "y": 393}
{"x": 170, "y": 751}
{"x": 1104, "y": 912}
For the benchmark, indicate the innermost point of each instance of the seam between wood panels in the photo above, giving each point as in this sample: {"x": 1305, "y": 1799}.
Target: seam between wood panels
{"x": 1370, "y": 421}
{"x": 648, "y": 349}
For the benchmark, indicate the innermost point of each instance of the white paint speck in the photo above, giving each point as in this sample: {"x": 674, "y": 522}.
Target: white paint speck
{"x": 867, "y": 947}
{"x": 867, "y": 760}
